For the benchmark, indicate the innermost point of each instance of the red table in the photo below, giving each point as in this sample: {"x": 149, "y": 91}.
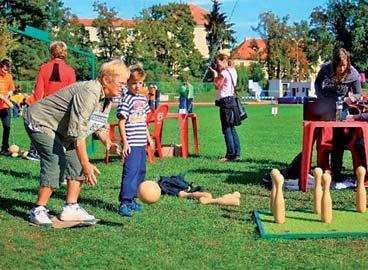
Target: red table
{"x": 308, "y": 132}
{"x": 183, "y": 124}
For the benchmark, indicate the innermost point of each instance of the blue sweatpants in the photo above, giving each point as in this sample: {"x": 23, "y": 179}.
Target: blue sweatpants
{"x": 134, "y": 171}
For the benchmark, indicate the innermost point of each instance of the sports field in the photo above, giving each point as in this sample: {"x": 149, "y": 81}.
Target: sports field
{"x": 177, "y": 233}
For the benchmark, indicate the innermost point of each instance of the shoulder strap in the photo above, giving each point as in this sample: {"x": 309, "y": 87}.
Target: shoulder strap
{"x": 232, "y": 82}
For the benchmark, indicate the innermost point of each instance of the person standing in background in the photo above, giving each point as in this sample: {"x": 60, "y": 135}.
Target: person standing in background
{"x": 6, "y": 90}
{"x": 52, "y": 76}
{"x": 225, "y": 78}
{"x": 190, "y": 97}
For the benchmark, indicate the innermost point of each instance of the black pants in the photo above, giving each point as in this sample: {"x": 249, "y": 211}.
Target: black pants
{"x": 5, "y": 115}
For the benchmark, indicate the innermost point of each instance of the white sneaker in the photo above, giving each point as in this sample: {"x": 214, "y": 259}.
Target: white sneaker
{"x": 40, "y": 217}
{"x": 75, "y": 213}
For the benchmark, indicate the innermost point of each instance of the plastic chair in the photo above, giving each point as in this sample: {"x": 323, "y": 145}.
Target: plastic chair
{"x": 325, "y": 147}
{"x": 114, "y": 138}
{"x": 158, "y": 120}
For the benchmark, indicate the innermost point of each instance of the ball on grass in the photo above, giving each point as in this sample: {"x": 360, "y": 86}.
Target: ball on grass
{"x": 149, "y": 192}
{"x": 13, "y": 148}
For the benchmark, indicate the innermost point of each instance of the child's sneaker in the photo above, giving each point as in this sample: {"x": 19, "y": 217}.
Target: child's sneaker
{"x": 74, "y": 212}
{"x": 40, "y": 217}
{"x": 125, "y": 210}
{"x": 136, "y": 206}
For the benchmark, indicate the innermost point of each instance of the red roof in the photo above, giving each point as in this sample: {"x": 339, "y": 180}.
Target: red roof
{"x": 198, "y": 14}
{"x": 117, "y": 23}
{"x": 247, "y": 50}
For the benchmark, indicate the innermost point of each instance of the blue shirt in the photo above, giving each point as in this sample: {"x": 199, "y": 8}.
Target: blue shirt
{"x": 134, "y": 109}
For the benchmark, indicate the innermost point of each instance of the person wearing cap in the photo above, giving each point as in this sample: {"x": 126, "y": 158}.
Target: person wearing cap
{"x": 6, "y": 90}
{"x": 52, "y": 76}
{"x": 58, "y": 126}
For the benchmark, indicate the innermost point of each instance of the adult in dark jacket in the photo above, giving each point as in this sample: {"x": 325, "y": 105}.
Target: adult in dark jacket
{"x": 336, "y": 78}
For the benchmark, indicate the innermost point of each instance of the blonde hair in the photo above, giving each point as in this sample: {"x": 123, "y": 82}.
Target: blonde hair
{"x": 58, "y": 49}
{"x": 114, "y": 68}
{"x": 136, "y": 72}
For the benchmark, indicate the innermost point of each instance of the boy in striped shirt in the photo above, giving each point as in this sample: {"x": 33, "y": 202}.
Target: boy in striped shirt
{"x": 132, "y": 111}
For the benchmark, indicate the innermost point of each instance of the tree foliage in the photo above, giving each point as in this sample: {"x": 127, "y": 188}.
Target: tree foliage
{"x": 163, "y": 42}
{"x": 342, "y": 23}
{"x": 110, "y": 39}
{"x": 219, "y": 32}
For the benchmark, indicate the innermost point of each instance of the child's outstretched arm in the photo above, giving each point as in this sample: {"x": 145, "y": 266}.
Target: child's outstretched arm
{"x": 124, "y": 139}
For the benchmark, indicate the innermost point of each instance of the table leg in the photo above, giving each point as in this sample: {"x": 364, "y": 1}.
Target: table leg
{"x": 365, "y": 138}
{"x": 307, "y": 151}
{"x": 184, "y": 135}
{"x": 195, "y": 134}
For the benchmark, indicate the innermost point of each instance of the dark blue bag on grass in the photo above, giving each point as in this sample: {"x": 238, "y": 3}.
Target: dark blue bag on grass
{"x": 174, "y": 184}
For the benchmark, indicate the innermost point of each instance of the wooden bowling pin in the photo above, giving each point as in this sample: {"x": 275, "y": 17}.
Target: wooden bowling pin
{"x": 229, "y": 201}
{"x": 361, "y": 196}
{"x": 273, "y": 174}
{"x": 194, "y": 195}
{"x": 279, "y": 202}
{"x": 235, "y": 194}
{"x": 326, "y": 206}
{"x": 317, "y": 195}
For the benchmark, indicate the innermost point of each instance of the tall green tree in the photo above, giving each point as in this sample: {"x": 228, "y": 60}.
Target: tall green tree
{"x": 110, "y": 39}
{"x": 342, "y": 23}
{"x": 219, "y": 32}
{"x": 275, "y": 32}
{"x": 163, "y": 39}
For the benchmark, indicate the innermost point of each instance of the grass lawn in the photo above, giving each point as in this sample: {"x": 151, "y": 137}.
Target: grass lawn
{"x": 176, "y": 233}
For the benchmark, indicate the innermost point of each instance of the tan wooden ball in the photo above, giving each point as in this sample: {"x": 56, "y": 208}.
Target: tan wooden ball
{"x": 25, "y": 154}
{"x": 13, "y": 148}
{"x": 149, "y": 192}
{"x": 14, "y": 154}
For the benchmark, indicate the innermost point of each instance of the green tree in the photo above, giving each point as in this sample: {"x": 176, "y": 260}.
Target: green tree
{"x": 170, "y": 46}
{"x": 275, "y": 32}
{"x": 110, "y": 39}
{"x": 7, "y": 41}
{"x": 219, "y": 32}
{"x": 342, "y": 23}
{"x": 243, "y": 78}
{"x": 257, "y": 74}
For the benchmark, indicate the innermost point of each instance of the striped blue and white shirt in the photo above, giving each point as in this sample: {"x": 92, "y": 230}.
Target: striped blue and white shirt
{"x": 134, "y": 109}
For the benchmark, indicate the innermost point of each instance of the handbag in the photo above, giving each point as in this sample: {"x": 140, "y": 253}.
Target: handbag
{"x": 242, "y": 113}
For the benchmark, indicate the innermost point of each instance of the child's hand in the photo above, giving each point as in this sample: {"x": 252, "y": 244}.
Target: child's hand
{"x": 151, "y": 143}
{"x": 126, "y": 149}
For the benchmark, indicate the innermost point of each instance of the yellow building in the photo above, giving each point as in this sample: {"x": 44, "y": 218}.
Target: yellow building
{"x": 199, "y": 32}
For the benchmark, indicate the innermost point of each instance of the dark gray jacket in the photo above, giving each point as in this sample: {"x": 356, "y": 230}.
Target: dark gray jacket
{"x": 325, "y": 86}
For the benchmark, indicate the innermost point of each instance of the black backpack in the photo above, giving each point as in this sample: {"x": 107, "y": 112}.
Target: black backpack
{"x": 174, "y": 184}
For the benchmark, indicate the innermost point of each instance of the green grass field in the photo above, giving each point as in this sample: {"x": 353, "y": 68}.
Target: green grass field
{"x": 177, "y": 233}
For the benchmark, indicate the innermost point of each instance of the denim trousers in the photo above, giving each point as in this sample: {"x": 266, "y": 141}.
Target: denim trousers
{"x": 232, "y": 142}
{"x": 134, "y": 171}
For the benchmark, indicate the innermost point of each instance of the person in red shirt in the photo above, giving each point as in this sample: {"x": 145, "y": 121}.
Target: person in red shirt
{"x": 6, "y": 89}
{"x": 52, "y": 76}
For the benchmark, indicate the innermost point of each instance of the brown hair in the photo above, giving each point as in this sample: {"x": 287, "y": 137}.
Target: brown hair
{"x": 58, "y": 49}
{"x": 5, "y": 63}
{"x": 338, "y": 57}
{"x": 136, "y": 72}
{"x": 222, "y": 56}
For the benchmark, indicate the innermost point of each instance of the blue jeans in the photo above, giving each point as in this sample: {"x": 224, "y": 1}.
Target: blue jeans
{"x": 182, "y": 102}
{"x": 134, "y": 171}
{"x": 232, "y": 143}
